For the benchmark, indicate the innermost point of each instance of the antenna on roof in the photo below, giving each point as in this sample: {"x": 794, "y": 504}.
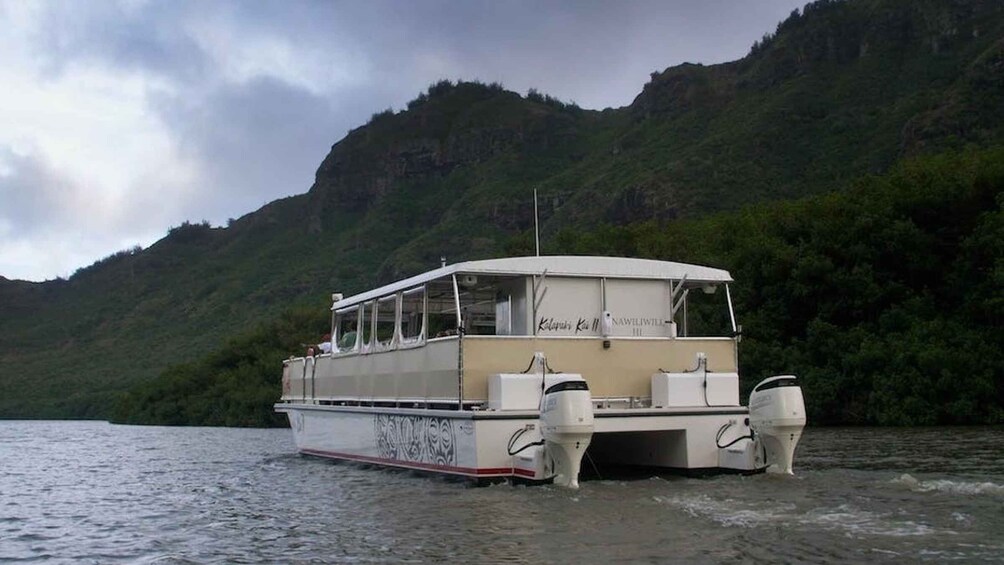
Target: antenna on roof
{"x": 536, "y": 227}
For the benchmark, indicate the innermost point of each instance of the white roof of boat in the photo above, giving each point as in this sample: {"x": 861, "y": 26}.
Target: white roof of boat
{"x": 558, "y": 266}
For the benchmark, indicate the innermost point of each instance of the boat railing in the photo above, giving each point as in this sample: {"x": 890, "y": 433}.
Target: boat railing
{"x": 443, "y": 372}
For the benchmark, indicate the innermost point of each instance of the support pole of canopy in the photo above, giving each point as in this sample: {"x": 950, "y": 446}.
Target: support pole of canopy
{"x": 539, "y": 291}
{"x": 460, "y": 345}
{"x": 676, "y": 299}
{"x": 732, "y": 313}
{"x": 456, "y": 303}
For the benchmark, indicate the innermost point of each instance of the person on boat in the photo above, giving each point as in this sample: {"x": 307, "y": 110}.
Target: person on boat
{"x": 348, "y": 341}
{"x": 325, "y": 345}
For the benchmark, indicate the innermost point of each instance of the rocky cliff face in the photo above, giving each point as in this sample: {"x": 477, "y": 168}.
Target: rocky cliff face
{"x": 828, "y": 32}
{"x": 686, "y": 88}
{"x": 453, "y": 126}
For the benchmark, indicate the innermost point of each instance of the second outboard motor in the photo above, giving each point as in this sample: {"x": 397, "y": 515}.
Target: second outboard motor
{"x": 777, "y": 416}
{"x": 566, "y": 424}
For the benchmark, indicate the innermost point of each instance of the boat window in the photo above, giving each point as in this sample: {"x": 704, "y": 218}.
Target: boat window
{"x": 479, "y": 308}
{"x": 346, "y": 327}
{"x": 704, "y": 313}
{"x": 385, "y": 316}
{"x": 334, "y": 331}
{"x": 441, "y": 310}
{"x": 413, "y": 314}
{"x": 503, "y": 313}
{"x": 366, "y": 323}
{"x": 478, "y": 305}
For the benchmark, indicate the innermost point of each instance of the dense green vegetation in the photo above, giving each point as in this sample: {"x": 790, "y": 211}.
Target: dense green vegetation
{"x": 839, "y": 91}
{"x": 885, "y": 298}
{"x": 233, "y": 386}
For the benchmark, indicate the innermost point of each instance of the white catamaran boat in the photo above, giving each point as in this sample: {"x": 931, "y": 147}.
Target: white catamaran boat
{"x": 521, "y": 367}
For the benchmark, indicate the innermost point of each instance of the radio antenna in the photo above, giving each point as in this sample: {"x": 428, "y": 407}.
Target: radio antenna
{"x": 536, "y": 227}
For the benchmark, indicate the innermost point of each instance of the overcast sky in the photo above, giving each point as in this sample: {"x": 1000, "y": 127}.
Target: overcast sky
{"x": 121, "y": 119}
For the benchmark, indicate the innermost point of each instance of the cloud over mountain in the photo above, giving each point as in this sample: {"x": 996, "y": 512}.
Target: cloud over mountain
{"x": 120, "y": 119}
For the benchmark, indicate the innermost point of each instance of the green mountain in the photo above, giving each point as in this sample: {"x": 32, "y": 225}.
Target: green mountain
{"x": 840, "y": 91}
{"x": 884, "y": 298}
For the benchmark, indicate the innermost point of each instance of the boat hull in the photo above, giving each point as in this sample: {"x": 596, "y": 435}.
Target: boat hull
{"x": 475, "y": 445}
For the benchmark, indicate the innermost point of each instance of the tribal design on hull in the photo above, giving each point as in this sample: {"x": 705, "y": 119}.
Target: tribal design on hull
{"x": 418, "y": 439}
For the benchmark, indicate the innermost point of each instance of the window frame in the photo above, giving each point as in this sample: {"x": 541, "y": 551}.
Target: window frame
{"x": 336, "y": 336}
{"x": 366, "y": 326}
{"x": 420, "y": 338}
{"x": 378, "y": 304}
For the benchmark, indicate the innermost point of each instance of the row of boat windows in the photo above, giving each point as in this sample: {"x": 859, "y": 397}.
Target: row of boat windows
{"x": 499, "y": 305}
{"x": 405, "y": 318}
{"x": 412, "y": 316}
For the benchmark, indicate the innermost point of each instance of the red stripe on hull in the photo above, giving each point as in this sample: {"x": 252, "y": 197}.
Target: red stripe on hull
{"x": 523, "y": 473}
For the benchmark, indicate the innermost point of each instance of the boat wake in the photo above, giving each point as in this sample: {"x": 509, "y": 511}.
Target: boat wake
{"x": 950, "y": 487}
{"x": 845, "y": 518}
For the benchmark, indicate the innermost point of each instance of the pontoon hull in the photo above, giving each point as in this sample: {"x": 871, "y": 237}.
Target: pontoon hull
{"x": 474, "y": 445}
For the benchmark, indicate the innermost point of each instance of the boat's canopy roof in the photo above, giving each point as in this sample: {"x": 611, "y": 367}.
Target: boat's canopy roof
{"x": 557, "y": 266}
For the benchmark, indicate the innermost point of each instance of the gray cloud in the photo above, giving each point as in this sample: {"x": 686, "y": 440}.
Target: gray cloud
{"x": 37, "y": 204}
{"x": 597, "y": 52}
{"x": 149, "y": 39}
{"x": 251, "y": 95}
{"x": 254, "y": 142}
{"x": 33, "y": 194}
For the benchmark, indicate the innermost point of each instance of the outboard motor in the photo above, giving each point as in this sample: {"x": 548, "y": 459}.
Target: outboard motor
{"x": 777, "y": 416}
{"x": 566, "y": 424}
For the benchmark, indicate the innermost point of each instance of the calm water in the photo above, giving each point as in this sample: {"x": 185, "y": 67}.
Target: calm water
{"x": 94, "y": 492}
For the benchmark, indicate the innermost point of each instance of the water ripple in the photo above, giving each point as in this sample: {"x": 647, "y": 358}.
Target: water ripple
{"x": 92, "y": 492}
{"x": 973, "y": 488}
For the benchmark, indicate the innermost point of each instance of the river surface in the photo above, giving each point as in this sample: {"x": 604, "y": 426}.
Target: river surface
{"x": 93, "y": 492}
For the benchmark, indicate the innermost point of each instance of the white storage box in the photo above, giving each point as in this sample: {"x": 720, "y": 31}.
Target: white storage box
{"x": 674, "y": 390}
{"x": 521, "y": 391}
